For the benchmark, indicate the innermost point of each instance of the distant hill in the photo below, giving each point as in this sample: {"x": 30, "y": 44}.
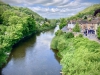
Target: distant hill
{"x": 4, "y": 7}
{"x": 89, "y": 11}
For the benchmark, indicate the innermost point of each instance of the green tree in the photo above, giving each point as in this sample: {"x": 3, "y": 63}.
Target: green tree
{"x": 98, "y": 32}
{"x": 15, "y": 24}
{"x": 31, "y": 25}
{"x": 84, "y": 17}
{"x": 63, "y": 22}
{"x": 53, "y": 22}
{"x": 14, "y": 20}
{"x": 6, "y": 15}
{"x": 1, "y": 12}
{"x": 79, "y": 55}
{"x": 76, "y": 28}
{"x": 68, "y": 35}
{"x": 46, "y": 19}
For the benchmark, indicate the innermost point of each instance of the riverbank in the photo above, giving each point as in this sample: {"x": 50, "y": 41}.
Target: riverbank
{"x": 35, "y": 56}
{"x": 17, "y": 23}
{"x": 12, "y": 41}
{"x": 79, "y": 55}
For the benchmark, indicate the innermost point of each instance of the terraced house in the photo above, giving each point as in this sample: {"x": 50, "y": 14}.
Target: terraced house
{"x": 85, "y": 25}
{"x": 89, "y": 25}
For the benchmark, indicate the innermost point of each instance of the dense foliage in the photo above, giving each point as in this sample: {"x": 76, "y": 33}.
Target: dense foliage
{"x": 80, "y": 56}
{"x": 98, "y": 32}
{"x": 76, "y": 28}
{"x": 47, "y": 24}
{"x": 63, "y": 22}
{"x": 58, "y": 33}
{"x": 15, "y": 24}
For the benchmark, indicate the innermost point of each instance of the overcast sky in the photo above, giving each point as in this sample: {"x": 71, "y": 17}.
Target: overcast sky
{"x": 54, "y": 8}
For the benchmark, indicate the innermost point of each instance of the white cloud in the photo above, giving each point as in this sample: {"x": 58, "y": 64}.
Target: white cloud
{"x": 56, "y": 2}
{"x": 55, "y": 12}
{"x": 42, "y": 2}
{"x": 75, "y": 4}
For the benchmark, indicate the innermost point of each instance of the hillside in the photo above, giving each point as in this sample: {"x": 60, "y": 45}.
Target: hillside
{"x": 4, "y": 7}
{"x": 89, "y": 11}
{"x": 28, "y": 12}
{"x": 17, "y": 23}
{"x": 14, "y": 25}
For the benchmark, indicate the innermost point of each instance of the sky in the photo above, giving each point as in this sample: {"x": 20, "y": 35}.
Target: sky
{"x": 54, "y": 9}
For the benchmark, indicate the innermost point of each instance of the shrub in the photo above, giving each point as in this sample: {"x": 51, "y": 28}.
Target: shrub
{"x": 80, "y": 35}
{"x": 76, "y": 28}
{"x": 59, "y": 32}
{"x": 62, "y": 23}
{"x": 54, "y": 43}
{"x": 68, "y": 35}
{"x": 80, "y": 56}
{"x": 84, "y": 59}
{"x": 61, "y": 44}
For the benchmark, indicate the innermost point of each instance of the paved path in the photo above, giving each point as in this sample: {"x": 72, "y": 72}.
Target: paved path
{"x": 92, "y": 37}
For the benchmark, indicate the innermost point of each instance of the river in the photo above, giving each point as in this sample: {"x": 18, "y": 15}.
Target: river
{"x": 34, "y": 57}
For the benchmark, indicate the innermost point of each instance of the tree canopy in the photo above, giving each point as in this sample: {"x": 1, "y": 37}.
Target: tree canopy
{"x": 15, "y": 24}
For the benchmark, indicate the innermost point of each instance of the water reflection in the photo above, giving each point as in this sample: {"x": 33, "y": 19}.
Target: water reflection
{"x": 34, "y": 57}
{"x": 55, "y": 54}
{"x": 20, "y": 51}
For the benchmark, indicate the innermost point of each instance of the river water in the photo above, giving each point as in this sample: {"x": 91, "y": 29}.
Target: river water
{"x": 34, "y": 57}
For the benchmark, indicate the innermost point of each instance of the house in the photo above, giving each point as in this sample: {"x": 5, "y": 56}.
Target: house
{"x": 85, "y": 25}
{"x": 89, "y": 25}
{"x": 71, "y": 25}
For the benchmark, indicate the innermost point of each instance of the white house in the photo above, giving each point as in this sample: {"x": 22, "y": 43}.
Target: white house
{"x": 71, "y": 25}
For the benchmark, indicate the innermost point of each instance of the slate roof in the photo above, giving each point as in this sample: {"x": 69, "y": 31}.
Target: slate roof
{"x": 93, "y": 21}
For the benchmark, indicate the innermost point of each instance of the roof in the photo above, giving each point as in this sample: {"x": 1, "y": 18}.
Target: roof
{"x": 83, "y": 22}
{"x": 93, "y": 21}
{"x": 89, "y": 22}
{"x": 70, "y": 25}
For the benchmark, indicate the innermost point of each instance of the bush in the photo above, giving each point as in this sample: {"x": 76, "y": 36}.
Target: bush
{"x": 54, "y": 43}
{"x": 68, "y": 35}
{"x": 59, "y": 32}
{"x": 61, "y": 44}
{"x": 80, "y": 35}
{"x": 80, "y": 56}
{"x": 76, "y": 28}
{"x": 62, "y": 23}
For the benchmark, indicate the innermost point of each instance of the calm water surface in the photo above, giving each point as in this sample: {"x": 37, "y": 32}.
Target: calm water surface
{"x": 34, "y": 57}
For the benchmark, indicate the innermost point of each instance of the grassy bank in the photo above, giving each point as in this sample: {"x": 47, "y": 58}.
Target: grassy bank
{"x": 79, "y": 56}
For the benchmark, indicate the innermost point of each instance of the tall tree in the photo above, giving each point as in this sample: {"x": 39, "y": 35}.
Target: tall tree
{"x": 76, "y": 28}
{"x": 63, "y": 22}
